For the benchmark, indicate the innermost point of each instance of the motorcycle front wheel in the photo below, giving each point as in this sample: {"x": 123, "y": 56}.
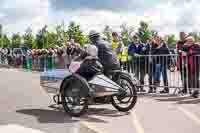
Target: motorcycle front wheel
{"x": 128, "y": 96}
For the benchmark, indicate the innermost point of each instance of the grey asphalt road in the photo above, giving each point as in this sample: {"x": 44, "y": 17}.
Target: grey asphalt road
{"x": 24, "y": 103}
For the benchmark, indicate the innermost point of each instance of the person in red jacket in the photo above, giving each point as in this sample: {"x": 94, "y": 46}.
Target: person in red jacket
{"x": 192, "y": 60}
{"x": 180, "y": 66}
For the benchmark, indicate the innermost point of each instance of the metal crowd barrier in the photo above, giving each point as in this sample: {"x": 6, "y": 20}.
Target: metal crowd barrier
{"x": 161, "y": 71}
{"x": 37, "y": 63}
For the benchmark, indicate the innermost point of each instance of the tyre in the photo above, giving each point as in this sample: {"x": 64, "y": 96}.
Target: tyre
{"x": 73, "y": 103}
{"x": 123, "y": 99}
{"x": 195, "y": 94}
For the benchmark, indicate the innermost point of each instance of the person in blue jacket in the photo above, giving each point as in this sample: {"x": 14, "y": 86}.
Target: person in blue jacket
{"x": 135, "y": 50}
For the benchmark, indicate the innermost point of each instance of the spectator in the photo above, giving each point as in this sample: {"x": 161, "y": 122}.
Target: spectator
{"x": 124, "y": 58}
{"x": 77, "y": 51}
{"x": 160, "y": 60}
{"x": 61, "y": 61}
{"x": 43, "y": 61}
{"x": 24, "y": 60}
{"x": 149, "y": 66}
{"x": 73, "y": 49}
{"x": 50, "y": 59}
{"x": 35, "y": 59}
{"x": 3, "y": 55}
{"x": 18, "y": 59}
{"x": 29, "y": 60}
{"x": 180, "y": 65}
{"x": 117, "y": 45}
{"x": 136, "y": 49}
{"x": 9, "y": 57}
{"x": 70, "y": 51}
{"x": 191, "y": 60}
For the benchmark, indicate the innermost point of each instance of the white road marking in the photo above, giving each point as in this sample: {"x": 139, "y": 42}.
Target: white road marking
{"x": 138, "y": 126}
{"x": 91, "y": 127}
{"x": 190, "y": 115}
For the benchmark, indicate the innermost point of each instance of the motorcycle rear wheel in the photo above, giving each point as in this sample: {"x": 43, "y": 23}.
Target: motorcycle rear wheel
{"x": 131, "y": 99}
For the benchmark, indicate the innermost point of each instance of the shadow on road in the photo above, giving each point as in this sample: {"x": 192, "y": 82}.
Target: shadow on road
{"x": 47, "y": 116}
{"x": 106, "y": 112}
{"x": 179, "y": 99}
{"x": 192, "y": 101}
{"x": 101, "y": 112}
{"x": 156, "y": 95}
{"x": 164, "y": 95}
{"x": 174, "y": 99}
{"x": 85, "y": 117}
{"x": 96, "y": 112}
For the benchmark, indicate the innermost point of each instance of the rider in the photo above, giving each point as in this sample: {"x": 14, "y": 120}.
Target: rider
{"x": 106, "y": 57}
{"x": 105, "y": 54}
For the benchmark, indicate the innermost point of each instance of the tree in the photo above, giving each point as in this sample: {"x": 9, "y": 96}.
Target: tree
{"x": 195, "y": 35}
{"x": 144, "y": 32}
{"x": 171, "y": 40}
{"x": 62, "y": 35}
{"x": 39, "y": 40}
{"x": 107, "y": 32}
{"x": 126, "y": 32}
{"x": 1, "y": 29}
{"x": 75, "y": 33}
{"x": 52, "y": 40}
{"x": 42, "y": 38}
{"x": 29, "y": 39}
{"x": 6, "y": 41}
{"x": 1, "y": 35}
{"x": 16, "y": 40}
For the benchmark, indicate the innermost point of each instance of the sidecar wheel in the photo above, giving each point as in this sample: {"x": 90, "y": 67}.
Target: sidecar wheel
{"x": 71, "y": 99}
{"x": 131, "y": 100}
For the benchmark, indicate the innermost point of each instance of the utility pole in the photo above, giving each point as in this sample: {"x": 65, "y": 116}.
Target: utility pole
{"x": 1, "y": 34}
{"x": 63, "y": 32}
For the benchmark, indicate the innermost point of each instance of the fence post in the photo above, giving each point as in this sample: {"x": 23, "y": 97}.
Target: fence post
{"x": 53, "y": 61}
{"x": 0, "y": 58}
{"x": 29, "y": 63}
{"x": 49, "y": 62}
{"x": 24, "y": 62}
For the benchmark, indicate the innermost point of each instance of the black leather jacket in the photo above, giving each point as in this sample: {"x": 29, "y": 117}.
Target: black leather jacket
{"x": 106, "y": 56}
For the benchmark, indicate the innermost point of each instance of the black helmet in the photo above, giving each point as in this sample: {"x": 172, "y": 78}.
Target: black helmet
{"x": 94, "y": 34}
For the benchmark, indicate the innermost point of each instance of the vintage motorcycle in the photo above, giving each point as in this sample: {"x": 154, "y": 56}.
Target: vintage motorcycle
{"x": 76, "y": 92}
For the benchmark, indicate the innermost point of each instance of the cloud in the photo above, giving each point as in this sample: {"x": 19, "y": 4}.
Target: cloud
{"x": 19, "y": 14}
{"x": 91, "y": 4}
{"x": 164, "y": 16}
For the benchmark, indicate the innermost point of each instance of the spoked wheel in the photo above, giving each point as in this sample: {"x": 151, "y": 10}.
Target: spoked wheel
{"x": 73, "y": 103}
{"x": 128, "y": 96}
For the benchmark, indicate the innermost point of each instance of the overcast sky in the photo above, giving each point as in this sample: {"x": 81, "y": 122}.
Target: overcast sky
{"x": 165, "y": 16}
